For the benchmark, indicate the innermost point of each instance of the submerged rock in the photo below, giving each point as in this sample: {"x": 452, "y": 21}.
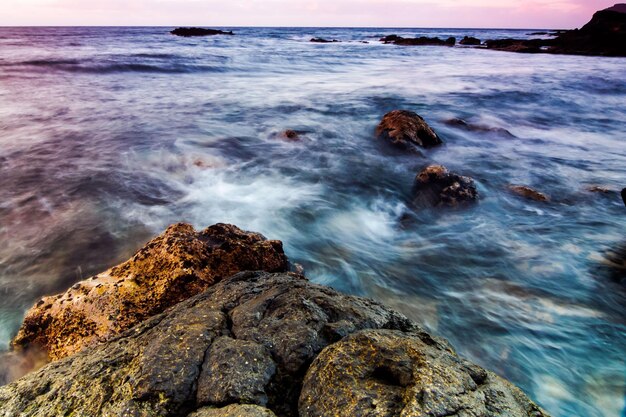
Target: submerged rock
{"x": 173, "y": 267}
{"x": 435, "y": 185}
{"x": 529, "y": 193}
{"x": 392, "y": 373}
{"x": 472, "y": 127}
{"x": 421, "y": 41}
{"x": 469, "y": 40}
{"x": 322, "y": 40}
{"x": 252, "y": 338}
{"x": 189, "y": 32}
{"x": 407, "y": 129}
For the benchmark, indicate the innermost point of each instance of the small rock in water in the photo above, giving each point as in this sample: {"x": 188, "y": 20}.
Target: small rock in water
{"x": 322, "y": 40}
{"x": 407, "y": 129}
{"x": 189, "y": 32}
{"x": 435, "y": 185}
{"x": 469, "y": 40}
{"x": 598, "y": 189}
{"x": 624, "y": 195}
{"x": 462, "y": 124}
{"x": 527, "y": 192}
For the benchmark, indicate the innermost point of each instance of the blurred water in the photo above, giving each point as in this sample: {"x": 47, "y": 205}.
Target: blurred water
{"x": 107, "y": 135}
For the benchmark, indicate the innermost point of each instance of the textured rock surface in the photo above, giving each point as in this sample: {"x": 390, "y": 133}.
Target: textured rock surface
{"x": 170, "y": 364}
{"x": 172, "y": 267}
{"x": 529, "y": 193}
{"x": 234, "y": 410}
{"x": 388, "y": 373}
{"x": 435, "y": 185}
{"x": 407, "y": 129}
{"x": 189, "y": 32}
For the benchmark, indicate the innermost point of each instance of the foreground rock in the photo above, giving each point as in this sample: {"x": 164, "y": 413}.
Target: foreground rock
{"x": 421, "y": 41}
{"x": 173, "y": 267}
{"x": 393, "y": 373}
{"x": 251, "y": 338}
{"x": 604, "y": 35}
{"x": 189, "y": 32}
{"x": 406, "y": 129}
{"x": 436, "y": 186}
{"x": 529, "y": 193}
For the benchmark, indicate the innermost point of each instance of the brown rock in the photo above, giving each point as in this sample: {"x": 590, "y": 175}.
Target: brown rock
{"x": 435, "y": 185}
{"x": 176, "y": 265}
{"x": 234, "y": 410}
{"x": 527, "y": 192}
{"x": 407, "y": 129}
{"x": 388, "y": 373}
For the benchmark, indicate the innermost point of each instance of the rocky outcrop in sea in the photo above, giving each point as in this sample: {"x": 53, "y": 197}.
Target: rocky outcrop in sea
{"x": 251, "y": 344}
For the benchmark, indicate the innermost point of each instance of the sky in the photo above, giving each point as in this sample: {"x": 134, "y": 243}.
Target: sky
{"x": 548, "y": 14}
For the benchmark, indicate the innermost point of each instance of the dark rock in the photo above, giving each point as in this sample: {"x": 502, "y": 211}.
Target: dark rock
{"x": 165, "y": 364}
{"x": 407, "y": 129}
{"x": 189, "y": 32}
{"x": 173, "y": 267}
{"x": 469, "y": 40}
{"x": 291, "y": 135}
{"x": 604, "y": 35}
{"x": 529, "y": 193}
{"x": 322, "y": 40}
{"x": 462, "y": 124}
{"x": 539, "y": 34}
{"x": 233, "y": 410}
{"x": 436, "y": 186}
{"x": 598, "y": 189}
{"x": 388, "y": 373}
{"x": 624, "y": 196}
{"x": 421, "y": 41}
{"x": 235, "y": 371}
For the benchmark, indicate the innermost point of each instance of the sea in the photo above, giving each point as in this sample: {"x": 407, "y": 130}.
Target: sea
{"x": 108, "y": 135}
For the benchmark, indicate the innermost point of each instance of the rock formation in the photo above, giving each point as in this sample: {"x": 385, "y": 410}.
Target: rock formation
{"x": 189, "y": 32}
{"x": 529, "y": 193}
{"x": 245, "y": 346}
{"x": 469, "y": 40}
{"x": 322, "y": 40}
{"x": 407, "y": 130}
{"x": 421, "y": 41}
{"x": 173, "y": 267}
{"x": 437, "y": 186}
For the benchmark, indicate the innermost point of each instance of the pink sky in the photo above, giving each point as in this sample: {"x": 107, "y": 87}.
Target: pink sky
{"x": 389, "y": 13}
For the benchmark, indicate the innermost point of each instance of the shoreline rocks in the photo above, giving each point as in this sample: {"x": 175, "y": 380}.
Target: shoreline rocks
{"x": 421, "y": 41}
{"x": 192, "y": 32}
{"x": 470, "y": 40}
{"x": 277, "y": 343}
{"x": 436, "y": 186}
{"x": 172, "y": 267}
{"x": 406, "y": 129}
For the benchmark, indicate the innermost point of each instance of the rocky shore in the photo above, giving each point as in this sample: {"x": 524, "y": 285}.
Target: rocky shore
{"x": 228, "y": 343}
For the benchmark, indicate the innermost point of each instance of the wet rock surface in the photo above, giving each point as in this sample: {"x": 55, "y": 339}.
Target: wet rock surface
{"x": 528, "y": 193}
{"x": 420, "y": 41}
{"x": 174, "y": 266}
{"x": 408, "y": 130}
{"x": 436, "y": 186}
{"x": 470, "y": 40}
{"x": 392, "y": 373}
{"x": 190, "y": 32}
{"x": 270, "y": 328}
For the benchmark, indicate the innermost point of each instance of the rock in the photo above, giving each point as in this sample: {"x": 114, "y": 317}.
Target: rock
{"x": 469, "y": 40}
{"x": 529, "y": 193}
{"x": 407, "y": 130}
{"x": 462, "y": 124}
{"x": 421, "y": 41}
{"x": 604, "y": 35}
{"x": 436, "y": 186}
{"x": 171, "y": 363}
{"x": 322, "y": 40}
{"x": 598, "y": 189}
{"x": 624, "y": 196}
{"x": 388, "y": 373}
{"x": 173, "y": 267}
{"x": 234, "y": 410}
{"x": 189, "y": 32}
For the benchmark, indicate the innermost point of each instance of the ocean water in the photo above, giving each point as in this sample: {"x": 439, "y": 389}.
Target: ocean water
{"x": 107, "y": 135}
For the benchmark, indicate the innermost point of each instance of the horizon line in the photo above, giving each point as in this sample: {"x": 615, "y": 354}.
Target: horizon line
{"x": 282, "y": 27}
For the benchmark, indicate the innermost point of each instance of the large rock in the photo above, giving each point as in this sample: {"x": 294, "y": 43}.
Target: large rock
{"x": 190, "y": 32}
{"x": 279, "y": 324}
{"x": 470, "y": 40}
{"x": 173, "y": 267}
{"x": 420, "y": 41}
{"x": 437, "y": 186}
{"x": 388, "y": 373}
{"x": 407, "y": 130}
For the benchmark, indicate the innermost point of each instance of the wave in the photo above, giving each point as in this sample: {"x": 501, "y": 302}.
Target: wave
{"x": 76, "y": 66}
